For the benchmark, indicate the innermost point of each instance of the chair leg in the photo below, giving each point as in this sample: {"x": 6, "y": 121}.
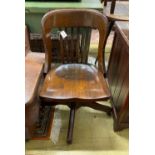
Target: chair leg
{"x": 100, "y": 107}
{"x": 111, "y": 24}
{"x": 71, "y": 125}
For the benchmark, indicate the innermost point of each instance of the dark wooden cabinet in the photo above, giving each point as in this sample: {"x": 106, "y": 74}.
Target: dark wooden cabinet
{"x": 118, "y": 75}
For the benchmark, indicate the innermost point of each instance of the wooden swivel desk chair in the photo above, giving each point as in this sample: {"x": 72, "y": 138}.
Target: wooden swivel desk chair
{"x": 74, "y": 82}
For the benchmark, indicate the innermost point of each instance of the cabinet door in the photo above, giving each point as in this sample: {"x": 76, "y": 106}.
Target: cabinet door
{"x": 118, "y": 77}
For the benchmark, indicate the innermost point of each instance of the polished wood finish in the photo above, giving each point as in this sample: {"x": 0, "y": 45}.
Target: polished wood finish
{"x": 75, "y": 47}
{"x": 123, "y": 28}
{"x": 33, "y": 69}
{"x": 88, "y": 18}
{"x": 33, "y": 73}
{"x": 115, "y": 11}
{"x": 118, "y": 76}
{"x": 74, "y": 82}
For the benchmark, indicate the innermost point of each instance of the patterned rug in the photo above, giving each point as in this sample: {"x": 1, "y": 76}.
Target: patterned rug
{"x": 42, "y": 129}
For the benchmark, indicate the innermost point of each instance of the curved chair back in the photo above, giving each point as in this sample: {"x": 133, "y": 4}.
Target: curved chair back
{"x": 74, "y": 42}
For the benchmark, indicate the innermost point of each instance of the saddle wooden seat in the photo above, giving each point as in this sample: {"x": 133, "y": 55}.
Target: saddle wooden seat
{"x": 75, "y": 82}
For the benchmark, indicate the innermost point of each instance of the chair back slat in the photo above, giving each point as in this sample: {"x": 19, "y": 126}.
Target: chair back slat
{"x": 62, "y": 50}
{"x": 77, "y": 56}
{"x": 77, "y": 25}
{"x": 75, "y": 45}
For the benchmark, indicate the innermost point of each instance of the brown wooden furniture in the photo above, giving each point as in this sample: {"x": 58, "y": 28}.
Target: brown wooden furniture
{"x": 74, "y": 82}
{"x": 116, "y": 11}
{"x": 34, "y": 56}
{"x": 112, "y": 5}
{"x": 33, "y": 73}
{"x": 118, "y": 75}
{"x": 34, "y": 63}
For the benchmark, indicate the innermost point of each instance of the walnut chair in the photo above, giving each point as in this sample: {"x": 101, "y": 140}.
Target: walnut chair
{"x": 74, "y": 82}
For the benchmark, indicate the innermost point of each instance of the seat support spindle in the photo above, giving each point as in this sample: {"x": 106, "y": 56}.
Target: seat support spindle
{"x": 71, "y": 124}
